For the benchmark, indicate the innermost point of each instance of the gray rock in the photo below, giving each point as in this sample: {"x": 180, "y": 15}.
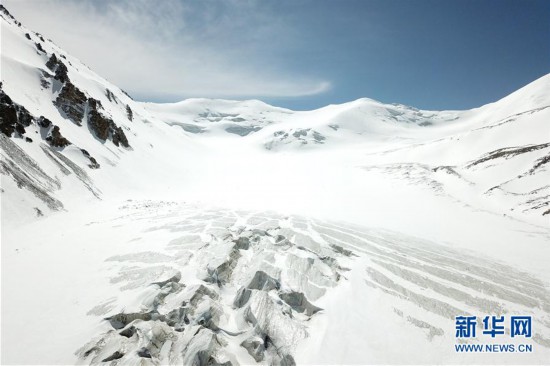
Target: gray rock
{"x": 72, "y": 102}
{"x": 129, "y": 113}
{"x": 13, "y": 117}
{"x": 56, "y": 139}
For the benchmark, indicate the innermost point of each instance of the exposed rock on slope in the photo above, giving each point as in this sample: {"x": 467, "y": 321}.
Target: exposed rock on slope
{"x": 13, "y": 117}
{"x": 59, "y": 69}
{"x": 72, "y": 102}
{"x": 55, "y": 139}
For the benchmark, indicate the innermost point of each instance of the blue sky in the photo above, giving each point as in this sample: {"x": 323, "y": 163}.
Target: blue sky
{"x": 305, "y": 54}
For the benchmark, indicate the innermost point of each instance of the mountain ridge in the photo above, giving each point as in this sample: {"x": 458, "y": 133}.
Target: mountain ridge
{"x": 62, "y": 99}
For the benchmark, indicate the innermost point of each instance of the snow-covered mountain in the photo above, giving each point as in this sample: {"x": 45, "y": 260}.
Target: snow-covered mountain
{"x": 214, "y": 232}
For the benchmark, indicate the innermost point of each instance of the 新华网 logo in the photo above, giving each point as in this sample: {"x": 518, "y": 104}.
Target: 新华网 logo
{"x": 493, "y": 326}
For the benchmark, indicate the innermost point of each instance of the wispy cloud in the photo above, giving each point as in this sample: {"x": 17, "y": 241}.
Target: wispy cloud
{"x": 174, "y": 49}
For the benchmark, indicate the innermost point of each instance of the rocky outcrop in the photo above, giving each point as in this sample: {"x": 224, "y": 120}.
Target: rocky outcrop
{"x": 5, "y": 12}
{"x": 111, "y": 96}
{"x": 119, "y": 138}
{"x": 507, "y": 153}
{"x": 72, "y": 102}
{"x": 13, "y": 117}
{"x": 99, "y": 125}
{"x": 39, "y": 47}
{"x": 93, "y": 162}
{"x": 56, "y": 139}
{"x": 103, "y": 127}
{"x": 125, "y": 93}
{"x": 129, "y": 113}
{"x": 44, "y": 122}
{"x": 61, "y": 73}
{"x": 59, "y": 69}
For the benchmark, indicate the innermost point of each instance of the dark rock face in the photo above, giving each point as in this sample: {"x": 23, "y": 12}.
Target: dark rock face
{"x": 28, "y": 36}
{"x": 13, "y": 117}
{"x": 23, "y": 116}
{"x": 61, "y": 72}
{"x": 506, "y": 153}
{"x": 94, "y": 104}
{"x": 44, "y": 83}
{"x": 99, "y": 124}
{"x": 19, "y": 129}
{"x": 72, "y": 101}
{"x": 93, "y": 163}
{"x": 39, "y": 47}
{"x": 44, "y": 122}
{"x": 111, "y": 96}
{"x": 56, "y": 139}
{"x": 118, "y": 136}
{"x": 104, "y": 127}
{"x": 59, "y": 68}
{"x": 128, "y": 95}
{"x": 52, "y": 62}
{"x": 129, "y": 113}
{"x": 8, "y": 115}
{"x": 5, "y": 11}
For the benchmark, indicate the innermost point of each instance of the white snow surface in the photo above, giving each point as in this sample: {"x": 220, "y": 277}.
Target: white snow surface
{"x": 390, "y": 219}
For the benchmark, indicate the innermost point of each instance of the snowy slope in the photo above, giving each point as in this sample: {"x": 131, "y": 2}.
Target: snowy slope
{"x": 213, "y": 231}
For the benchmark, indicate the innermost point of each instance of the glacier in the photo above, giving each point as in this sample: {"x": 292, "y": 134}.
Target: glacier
{"x": 217, "y": 232}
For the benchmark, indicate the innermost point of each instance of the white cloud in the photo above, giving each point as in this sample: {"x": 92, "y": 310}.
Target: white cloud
{"x": 175, "y": 49}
